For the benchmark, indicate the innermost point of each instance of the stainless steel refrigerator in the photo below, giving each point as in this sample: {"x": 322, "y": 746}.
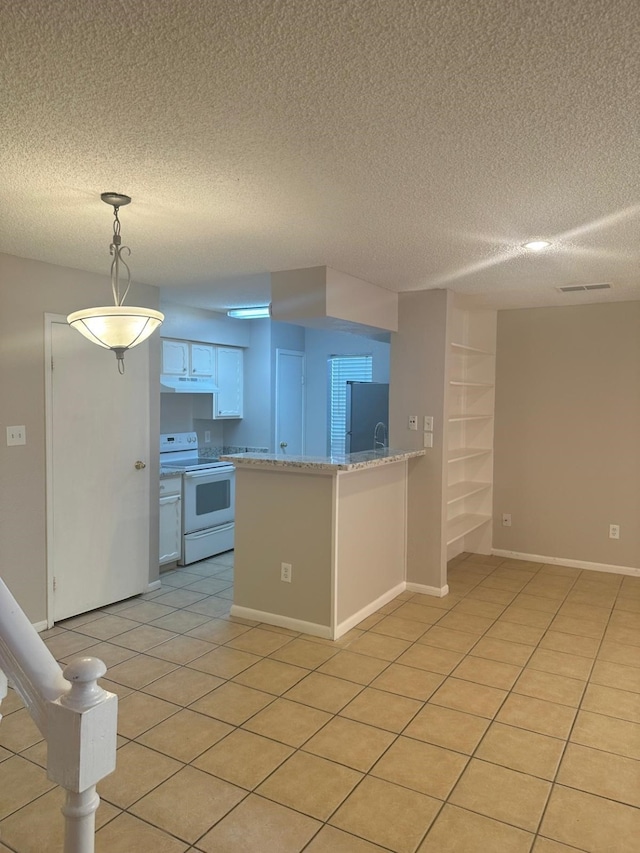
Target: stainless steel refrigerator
{"x": 367, "y": 420}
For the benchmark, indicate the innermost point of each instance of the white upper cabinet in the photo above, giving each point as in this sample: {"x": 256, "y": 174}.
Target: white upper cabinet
{"x": 205, "y": 368}
{"x": 175, "y": 357}
{"x": 187, "y": 358}
{"x": 203, "y": 359}
{"x": 227, "y": 403}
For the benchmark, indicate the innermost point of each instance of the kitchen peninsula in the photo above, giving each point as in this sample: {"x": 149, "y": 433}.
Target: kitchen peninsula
{"x": 334, "y": 526}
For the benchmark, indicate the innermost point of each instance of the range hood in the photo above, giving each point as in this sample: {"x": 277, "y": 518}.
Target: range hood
{"x": 171, "y": 384}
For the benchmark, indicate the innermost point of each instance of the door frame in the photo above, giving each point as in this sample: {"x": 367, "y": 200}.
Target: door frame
{"x": 61, "y": 319}
{"x": 300, "y": 354}
{"x": 49, "y": 320}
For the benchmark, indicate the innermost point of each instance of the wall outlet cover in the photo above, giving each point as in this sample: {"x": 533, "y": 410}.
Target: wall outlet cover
{"x": 413, "y": 422}
{"x": 286, "y": 571}
{"x": 506, "y": 519}
{"x": 16, "y": 435}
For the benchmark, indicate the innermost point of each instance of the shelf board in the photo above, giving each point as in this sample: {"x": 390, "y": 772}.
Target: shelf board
{"x": 467, "y": 453}
{"x": 454, "y": 418}
{"x": 463, "y": 524}
{"x": 459, "y": 491}
{"x": 471, "y": 384}
{"x": 464, "y": 348}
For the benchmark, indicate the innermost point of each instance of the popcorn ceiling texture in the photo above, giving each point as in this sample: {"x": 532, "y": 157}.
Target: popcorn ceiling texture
{"x": 411, "y": 143}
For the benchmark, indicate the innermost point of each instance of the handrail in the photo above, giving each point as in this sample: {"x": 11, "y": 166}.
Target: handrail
{"x": 35, "y": 674}
{"x": 74, "y": 714}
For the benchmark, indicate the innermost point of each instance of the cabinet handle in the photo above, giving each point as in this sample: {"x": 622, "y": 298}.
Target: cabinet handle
{"x": 283, "y": 444}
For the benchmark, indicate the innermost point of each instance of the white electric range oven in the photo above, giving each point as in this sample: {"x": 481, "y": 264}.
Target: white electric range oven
{"x": 208, "y": 497}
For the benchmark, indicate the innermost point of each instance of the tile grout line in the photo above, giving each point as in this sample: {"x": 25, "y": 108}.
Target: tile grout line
{"x": 362, "y": 688}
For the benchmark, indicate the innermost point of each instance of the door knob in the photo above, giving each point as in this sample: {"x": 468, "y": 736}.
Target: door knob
{"x": 283, "y": 444}
{"x": 139, "y": 465}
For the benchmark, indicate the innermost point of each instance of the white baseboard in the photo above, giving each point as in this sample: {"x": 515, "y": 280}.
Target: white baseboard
{"x": 153, "y": 586}
{"x": 40, "y": 626}
{"x": 438, "y": 591}
{"x": 574, "y": 564}
{"x": 312, "y": 628}
{"x": 368, "y": 609}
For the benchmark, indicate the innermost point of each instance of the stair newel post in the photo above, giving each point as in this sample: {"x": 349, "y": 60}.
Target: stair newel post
{"x": 82, "y": 748}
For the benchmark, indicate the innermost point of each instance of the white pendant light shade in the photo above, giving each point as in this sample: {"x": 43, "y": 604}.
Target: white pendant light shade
{"x": 116, "y": 327}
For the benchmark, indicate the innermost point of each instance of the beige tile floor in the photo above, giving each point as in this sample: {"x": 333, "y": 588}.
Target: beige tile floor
{"x": 504, "y": 717}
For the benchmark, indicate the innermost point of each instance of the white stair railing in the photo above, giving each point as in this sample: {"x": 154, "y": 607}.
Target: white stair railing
{"x": 77, "y": 718}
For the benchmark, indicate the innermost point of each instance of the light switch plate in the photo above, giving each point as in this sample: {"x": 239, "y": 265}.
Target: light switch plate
{"x": 428, "y": 423}
{"x": 16, "y": 435}
{"x": 428, "y": 439}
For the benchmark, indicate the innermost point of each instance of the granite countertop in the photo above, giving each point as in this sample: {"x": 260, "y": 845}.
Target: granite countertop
{"x": 344, "y": 462}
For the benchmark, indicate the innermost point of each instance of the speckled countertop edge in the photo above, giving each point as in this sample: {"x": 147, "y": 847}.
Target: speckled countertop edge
{"x": 348, "y": 462}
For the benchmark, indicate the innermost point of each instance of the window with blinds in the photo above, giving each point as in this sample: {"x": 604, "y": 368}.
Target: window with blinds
{"x": 342, "y": 368}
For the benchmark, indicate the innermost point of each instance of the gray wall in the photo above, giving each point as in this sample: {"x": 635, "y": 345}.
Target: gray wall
{"x": 418, "y": 379}
{"x": 567, "y": 432}
{"x": 29, "y": 289}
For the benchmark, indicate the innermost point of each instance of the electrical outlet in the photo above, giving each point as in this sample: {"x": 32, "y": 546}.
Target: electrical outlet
{"x": 506, "y": 519}
{"x": 428, "y": 423}
{"x": 413, "y": 422}
{"x": 16, "y": 435}
{"x": 286, "y": 571}
{"x": 207, "y": 436}
{"x": 614, "y": 531}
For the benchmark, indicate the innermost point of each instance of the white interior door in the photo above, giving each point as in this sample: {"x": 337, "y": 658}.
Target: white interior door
{"x": 290, "y": 402}
{"x": 99, "y": 501}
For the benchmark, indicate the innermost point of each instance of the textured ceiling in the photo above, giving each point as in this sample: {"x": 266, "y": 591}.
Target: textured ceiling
{"x": 412, "y": 143}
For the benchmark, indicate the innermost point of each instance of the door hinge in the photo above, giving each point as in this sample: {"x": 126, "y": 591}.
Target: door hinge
{"x": 55, "y": 584}
{"x": 52, "y": 363}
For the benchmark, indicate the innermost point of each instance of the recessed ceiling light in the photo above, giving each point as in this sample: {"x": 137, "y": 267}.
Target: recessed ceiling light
{"x": 536, "y": 245}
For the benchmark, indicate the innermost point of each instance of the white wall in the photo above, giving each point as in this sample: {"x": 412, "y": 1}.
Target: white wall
{"x": 319, "y": 346}
{"x": 254, "y": 430}
{"x": 186, "y": 412}
{"x": 261, "y": 339}
{"x": 196, "y": 324}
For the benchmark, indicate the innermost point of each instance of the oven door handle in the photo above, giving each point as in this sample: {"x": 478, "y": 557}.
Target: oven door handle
{"x": 209, "y": 472}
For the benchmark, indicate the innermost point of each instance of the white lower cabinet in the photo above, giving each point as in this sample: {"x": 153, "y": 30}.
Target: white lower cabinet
{"x": 170, "y": 519}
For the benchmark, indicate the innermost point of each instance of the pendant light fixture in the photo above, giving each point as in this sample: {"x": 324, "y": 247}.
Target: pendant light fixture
{"x": 117, "y": 327}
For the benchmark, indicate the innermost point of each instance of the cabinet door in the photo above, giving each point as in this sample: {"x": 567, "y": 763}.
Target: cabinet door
{"x": 203, "y": 362}
{"x": 170, "y": 529}
{"x": 175, "y": 357}
{"x": 228, "y": 400}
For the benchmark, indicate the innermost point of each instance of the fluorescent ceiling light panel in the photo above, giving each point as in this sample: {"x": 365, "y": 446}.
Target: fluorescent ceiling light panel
{"x": 256, "y": 313}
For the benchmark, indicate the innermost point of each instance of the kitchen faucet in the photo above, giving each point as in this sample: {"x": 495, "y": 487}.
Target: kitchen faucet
{"x": 377, "y": 444}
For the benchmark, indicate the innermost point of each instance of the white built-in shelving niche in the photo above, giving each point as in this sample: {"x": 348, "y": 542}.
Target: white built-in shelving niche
{"x": 469, "y": 413}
